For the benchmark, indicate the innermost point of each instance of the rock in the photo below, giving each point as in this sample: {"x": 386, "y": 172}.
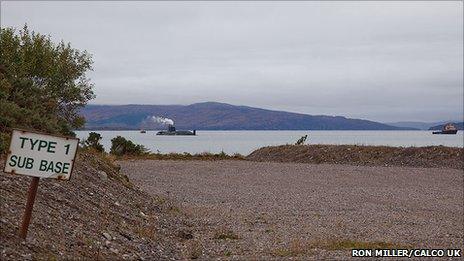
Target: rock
{"x": 143, "y": 214}
{"x": 117, "y": 204}
{"x": 126, "y": 235}
{"x": 26, "y": 256}
{"x": 102, "y": 175}
{"x": 107, "y": 235}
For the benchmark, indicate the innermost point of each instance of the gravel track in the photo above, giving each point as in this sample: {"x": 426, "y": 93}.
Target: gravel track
{"x": 278, "y": 210}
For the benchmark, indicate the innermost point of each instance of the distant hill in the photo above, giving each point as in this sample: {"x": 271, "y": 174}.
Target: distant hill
{"x": 458, "y": 125}
{"x": 218, "y": 116}
{"x": 416, "y": 124}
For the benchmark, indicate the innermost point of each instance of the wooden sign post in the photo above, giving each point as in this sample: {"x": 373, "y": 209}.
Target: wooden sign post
{"x": 29, "y": 205}
{"x": 39, "y": 155}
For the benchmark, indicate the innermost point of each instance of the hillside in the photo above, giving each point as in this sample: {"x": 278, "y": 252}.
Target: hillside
{"x": 96, "y": 215}
{"x": 415, "y": 124}
{"x": 218, "y": 116}
{"x": 458, "y": 125}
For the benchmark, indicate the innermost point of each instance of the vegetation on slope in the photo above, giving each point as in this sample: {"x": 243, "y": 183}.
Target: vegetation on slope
{"x": 184, "y": 156}
{"x": 433, "y": 156}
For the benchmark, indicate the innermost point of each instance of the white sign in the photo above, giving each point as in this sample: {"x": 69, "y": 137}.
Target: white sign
{"x": 41, "y": 155}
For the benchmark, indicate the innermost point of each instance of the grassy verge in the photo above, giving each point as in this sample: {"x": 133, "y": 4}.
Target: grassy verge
{"x": 427, "y": 157}
{"x": 299, "y": 247}
{"x": 184, "y": 156}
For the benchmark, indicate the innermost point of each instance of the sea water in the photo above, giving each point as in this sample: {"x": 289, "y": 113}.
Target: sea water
{"x": 244, "y": 142}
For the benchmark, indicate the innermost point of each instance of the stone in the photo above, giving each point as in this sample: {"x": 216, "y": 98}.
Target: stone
{"x": 107, "y": 235}
{"x": 102, "y": 175}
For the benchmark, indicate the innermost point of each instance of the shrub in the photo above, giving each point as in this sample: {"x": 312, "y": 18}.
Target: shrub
{"x": 93, "y": 141}
{"x": 4, "y": 141}
{"x": 302, "y": 140}
{"x": 120, "y": 146}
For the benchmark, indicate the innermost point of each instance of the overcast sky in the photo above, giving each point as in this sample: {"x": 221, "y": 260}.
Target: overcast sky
{"x": 384, "y": 61}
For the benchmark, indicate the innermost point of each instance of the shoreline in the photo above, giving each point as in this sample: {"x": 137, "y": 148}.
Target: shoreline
{"x": 245, "y": 142}
{"x": 154, "y": 130}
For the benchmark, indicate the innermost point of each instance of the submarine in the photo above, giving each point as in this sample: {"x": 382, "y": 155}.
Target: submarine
{"x": 172, "y": 131}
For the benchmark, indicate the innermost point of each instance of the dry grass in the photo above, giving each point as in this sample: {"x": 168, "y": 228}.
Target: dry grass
{"x": 307, "y": 248}
{"x": 432, "y": 156}
{"x": 225, "y": 234}
{"x": 146, "y": 231}
{"x": 295, "y": 248}
{"x": 195, "y": 250}
{"x": 352, "y": 244}
{"x": 186, "y": 156}
{"x": 106, "y": 163}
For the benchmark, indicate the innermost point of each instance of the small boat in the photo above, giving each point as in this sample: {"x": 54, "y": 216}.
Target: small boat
{"x": 143, "y": 131}
{"x": 447, "y": 129}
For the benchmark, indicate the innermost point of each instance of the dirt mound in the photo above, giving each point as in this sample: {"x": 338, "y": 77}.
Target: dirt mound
{"x": 97, "y": 214}
{"x": 428, "y": 157}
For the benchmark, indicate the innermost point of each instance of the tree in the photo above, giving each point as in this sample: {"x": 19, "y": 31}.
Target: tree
{"x": 42, "y": 85}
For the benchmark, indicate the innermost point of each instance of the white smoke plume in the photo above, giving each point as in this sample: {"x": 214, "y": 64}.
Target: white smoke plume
{"x": 162, "y": 120}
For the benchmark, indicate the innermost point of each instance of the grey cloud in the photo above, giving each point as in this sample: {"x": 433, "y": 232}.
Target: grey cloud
{"x": 385, "y": 61}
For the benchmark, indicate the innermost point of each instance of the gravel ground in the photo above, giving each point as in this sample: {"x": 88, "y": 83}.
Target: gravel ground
{"x": 243, "y": 209}
{"x": 96, "y": 215}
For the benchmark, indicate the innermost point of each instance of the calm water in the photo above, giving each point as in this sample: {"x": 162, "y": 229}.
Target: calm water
{"x": 244, "y": 142}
